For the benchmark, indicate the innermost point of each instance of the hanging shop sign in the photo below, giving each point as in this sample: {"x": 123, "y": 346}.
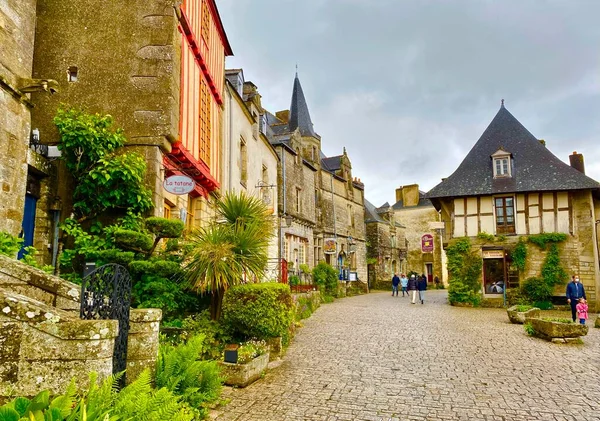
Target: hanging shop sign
{"x": 329, "y": 246}
{"x": 179, "y": 184}
{"x": 427, "y": 243}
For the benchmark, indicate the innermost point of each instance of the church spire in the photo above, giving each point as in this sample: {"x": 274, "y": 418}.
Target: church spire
{"x": 299, "y": 116}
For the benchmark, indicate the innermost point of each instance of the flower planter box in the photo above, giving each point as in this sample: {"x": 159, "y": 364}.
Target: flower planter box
{"x": 558, "y": 332}
{"x": 597, "y": 322}
{"x": 241, "y": 375}
{"x": 520, "y": 317}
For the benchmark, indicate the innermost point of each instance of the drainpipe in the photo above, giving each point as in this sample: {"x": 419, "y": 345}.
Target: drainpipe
{"x": 230, "y": 143}
{"x": 334, "y": 230}
{"x": 281, "y": 235}
{"x": 56, "y": 220}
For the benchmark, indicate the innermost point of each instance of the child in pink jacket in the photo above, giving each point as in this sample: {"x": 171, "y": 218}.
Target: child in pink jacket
{"x": 582, "y": 310}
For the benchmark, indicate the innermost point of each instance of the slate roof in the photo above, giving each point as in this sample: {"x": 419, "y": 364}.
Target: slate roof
{"x": 534, "y": 167}
{"x": 299, "y": 116}
{"x": 332, "y": 163}
{"x": 371, "y": 213}
{"x": 423, "y": 201}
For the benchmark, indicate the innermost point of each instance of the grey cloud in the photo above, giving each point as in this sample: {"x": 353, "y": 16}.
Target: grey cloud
{"x": 409, "y": 86}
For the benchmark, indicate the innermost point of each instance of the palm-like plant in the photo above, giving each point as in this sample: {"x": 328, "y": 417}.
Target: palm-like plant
{"x": 231, "y": 250}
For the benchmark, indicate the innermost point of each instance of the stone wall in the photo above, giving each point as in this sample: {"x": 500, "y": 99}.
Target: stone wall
{"x": 127, "y": 61}
{"x": 43, "y": 347}
{"x": 43, "y": 343}
{"x": 416, "y": 220}
{"x": 17, "y": 33}
{"x": 380, "y": 248}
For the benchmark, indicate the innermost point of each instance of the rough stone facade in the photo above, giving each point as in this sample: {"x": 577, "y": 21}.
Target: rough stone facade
{"x": 130, "y": 74}
{"x": 17, "y": 33}
{"x": 44, "y": 343}
{"x": 386, "y": 245}
{"x": 417, "y": 214}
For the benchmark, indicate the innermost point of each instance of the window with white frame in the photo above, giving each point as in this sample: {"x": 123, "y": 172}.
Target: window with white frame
{"x": 501, "y": 163}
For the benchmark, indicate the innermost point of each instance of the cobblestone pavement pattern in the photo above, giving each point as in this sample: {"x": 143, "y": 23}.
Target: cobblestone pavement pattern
{"x": 377, "y": 357}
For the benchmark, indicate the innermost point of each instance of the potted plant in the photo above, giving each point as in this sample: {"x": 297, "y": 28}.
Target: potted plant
{"x": 557, "y": 329}
{"x": 252, "y": 361}
{"x": 518, "y": 314}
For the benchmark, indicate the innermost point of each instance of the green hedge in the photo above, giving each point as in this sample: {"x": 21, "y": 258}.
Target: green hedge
{"x": 259, "y": 311}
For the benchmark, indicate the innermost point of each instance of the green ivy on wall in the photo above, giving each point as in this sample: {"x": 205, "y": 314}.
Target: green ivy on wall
{"x": 464, "y": 268}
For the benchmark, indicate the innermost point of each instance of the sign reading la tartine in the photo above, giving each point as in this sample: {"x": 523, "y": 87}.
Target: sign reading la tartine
{"x": 179, "y": 184}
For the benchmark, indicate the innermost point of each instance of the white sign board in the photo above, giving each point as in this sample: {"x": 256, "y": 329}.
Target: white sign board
{"x": 436, "y": 226}
{"x": 179, "y": 184}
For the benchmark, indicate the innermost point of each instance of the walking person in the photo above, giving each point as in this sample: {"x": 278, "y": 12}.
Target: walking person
{"x": 582, "y": 310}
{"x": 404, "y": 284}
{"x": 412, "y": 287}
{"x": 422, "y": 287}
{"x": 575, "y": 291}
{"x": 395, "y": 282}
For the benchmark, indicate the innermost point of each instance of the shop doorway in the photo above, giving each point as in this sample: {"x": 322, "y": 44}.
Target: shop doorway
{"x": 494, "y": 276}
{"x": 429, "y": 272}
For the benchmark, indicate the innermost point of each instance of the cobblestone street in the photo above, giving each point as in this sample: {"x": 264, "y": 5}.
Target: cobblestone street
{"x": 377, "y": 357}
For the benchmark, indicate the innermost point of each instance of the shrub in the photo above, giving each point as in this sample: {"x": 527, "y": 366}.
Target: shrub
{"x": 544, "y": 305}
{"x": 121, "y": 257}
{"x": 214, "y": 334}
{"x": 529, "y": 329}
{"x": 461, "y": 293}
{"x": 304, "y": 308}
{"x": 552, "y": 271}
{"x": 179, "y": 370}
{"x": 326, "y": 277}
{"x": 259, "y": 311}
{"x": 304, "y": 268}
{"x": 294, "y": 280}
{"x": 536, "y": 289}
{"x": 250, "y": 350}
{"x": 9, "y": 244}
{"x": 165, "y": 228}
{"x": 133, "y": 240}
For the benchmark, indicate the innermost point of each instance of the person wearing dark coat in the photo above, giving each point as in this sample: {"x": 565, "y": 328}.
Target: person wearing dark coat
{"x": 412, "y": 287}
{"x": 395, "y": 282}
{"x": 575, "y": 291}
{"x": 422, "y": 287}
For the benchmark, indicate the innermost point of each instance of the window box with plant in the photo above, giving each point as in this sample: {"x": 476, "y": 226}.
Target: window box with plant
{"x": 519, "y": 314}
{"x": 555, "y": 329}
{"x": 252, "y": 361}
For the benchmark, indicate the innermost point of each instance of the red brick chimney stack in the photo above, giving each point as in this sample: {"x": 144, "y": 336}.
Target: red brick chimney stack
{"x": 576, "y": 160}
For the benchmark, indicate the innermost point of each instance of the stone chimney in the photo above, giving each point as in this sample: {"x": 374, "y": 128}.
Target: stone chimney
{"x": 576, "y": 160}
{"x": 410, "y": 195}
{"x": 283, "y": 115}
{"x": 399, "y": 194}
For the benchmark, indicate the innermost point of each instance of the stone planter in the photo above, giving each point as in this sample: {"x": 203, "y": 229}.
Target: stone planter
{"x": 520, "y": 317}
{"x": 597, "y": 322}
{"x": 241, "y": 375}
{"x": 558, "y": 332}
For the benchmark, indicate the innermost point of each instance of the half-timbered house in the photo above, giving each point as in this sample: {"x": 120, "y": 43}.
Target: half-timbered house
{"x": 511, "y": 185}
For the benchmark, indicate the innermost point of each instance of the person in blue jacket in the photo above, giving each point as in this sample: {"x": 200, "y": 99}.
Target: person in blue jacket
{"x": 395, "y": 282}
{"x": 422, "y": 286}
{"x": 575, "y": 291}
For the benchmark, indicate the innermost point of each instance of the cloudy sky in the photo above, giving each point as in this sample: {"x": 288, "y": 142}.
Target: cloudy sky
{"x": 409, "y": 86}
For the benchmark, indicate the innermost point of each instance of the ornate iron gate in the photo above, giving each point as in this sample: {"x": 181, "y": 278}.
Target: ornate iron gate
{"x": 106, "y": 295}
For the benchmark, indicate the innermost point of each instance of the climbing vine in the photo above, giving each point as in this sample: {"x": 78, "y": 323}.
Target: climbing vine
{"x": 541, "y": 240}
{"x": 519, "y": 255}
{"x": 464, "y": 268}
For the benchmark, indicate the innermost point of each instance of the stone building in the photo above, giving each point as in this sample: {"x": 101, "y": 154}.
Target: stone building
{"x": 323, "y": 202}
{"x": 249, "y": 160}
{"x": 510, "y": 185}
{"x": 25, "y": 174}
{"x": 158, "y": 69}
{"x": 386, "y": 245}
{"x": 425, "y": 254}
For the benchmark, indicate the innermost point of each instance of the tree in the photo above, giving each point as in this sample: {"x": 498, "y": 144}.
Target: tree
{"x": 232, "y": 249}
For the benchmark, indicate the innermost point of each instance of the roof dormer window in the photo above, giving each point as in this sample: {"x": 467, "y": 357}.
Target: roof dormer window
{"x": 501, "y": 163}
